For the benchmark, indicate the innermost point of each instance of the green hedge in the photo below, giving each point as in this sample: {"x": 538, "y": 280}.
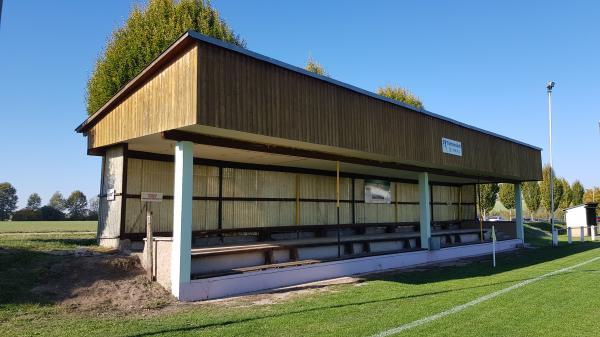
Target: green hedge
{"x": 144, "y": 36}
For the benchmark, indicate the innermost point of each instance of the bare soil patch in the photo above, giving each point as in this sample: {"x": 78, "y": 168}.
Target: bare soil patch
{"x": 116, "y": 284}
{"x": 103, "y": 284}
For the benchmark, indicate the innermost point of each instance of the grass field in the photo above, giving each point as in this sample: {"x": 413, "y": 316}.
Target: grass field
{"x": 47, "y": 226}
{"x": 563, "y": 304}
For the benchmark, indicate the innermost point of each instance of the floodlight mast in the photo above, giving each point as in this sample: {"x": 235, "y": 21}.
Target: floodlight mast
{"x": 550, "y": 86}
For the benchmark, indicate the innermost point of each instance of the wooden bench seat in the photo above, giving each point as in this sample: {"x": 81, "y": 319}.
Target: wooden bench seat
{"x": 254, "y": 256}
{"x": 256, "y": 268}
{"x": 312, "y": 242}
{"x": 319, "y": 241}
{"x": 456, "y": 231}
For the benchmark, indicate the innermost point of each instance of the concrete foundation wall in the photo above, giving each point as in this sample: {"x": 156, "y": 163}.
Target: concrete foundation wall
{"x": 231, "y": 285}
{"x": 161, "y": 260}
{"x": 223, "y": 286}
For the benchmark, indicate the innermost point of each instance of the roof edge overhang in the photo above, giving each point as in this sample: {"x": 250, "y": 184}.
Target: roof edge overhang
{"x": 189, "y": 37}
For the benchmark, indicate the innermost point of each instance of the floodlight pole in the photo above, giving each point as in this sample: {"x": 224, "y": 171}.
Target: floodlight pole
{"x": 550, "y": 86}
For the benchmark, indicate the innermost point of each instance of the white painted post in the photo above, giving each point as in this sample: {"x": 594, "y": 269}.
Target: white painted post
{"x": 425, "y": 207}
{"x": 582, "y": 234}
{"x": 519, "y": 213}
{"x": 149, "y": 242}
{"x": 494, "y": 246}
{"x": 181, "y": 258}
{"x": 569, "y": 235}
{"x": 593, "y": 232}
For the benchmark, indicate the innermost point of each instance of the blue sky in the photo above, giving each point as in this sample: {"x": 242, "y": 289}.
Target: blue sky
{"x": 481, "y": 62}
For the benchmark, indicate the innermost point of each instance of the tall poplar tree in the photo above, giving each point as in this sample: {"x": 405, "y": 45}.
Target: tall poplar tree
{"x": 315, "y": 67}
{"x": 145, "y": 35}
{"x": 547, "y": 172}
{"x": 487, "y": 197}
{"x": 532, "y": 196}
{"x": 506, "y": 194}
{"x": 577, "y": 193}
{"x": 400, "y": 94}
{"x": 567, "y": 195}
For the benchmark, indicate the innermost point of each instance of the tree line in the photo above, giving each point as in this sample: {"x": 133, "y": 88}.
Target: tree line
{"x": 535, "y": 194}
{"x": 74, "y": 207}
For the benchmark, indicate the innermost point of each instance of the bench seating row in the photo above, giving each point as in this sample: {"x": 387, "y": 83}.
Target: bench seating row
{"x": 218, "y": 259}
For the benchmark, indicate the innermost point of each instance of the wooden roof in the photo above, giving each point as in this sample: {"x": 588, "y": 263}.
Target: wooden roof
{"x": 230, "y": 92}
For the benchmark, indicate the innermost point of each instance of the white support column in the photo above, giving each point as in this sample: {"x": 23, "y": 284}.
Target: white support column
{"x": 519, "y": 213}
{"x": 425, "y": 207}
{"x": 182, "y": 217}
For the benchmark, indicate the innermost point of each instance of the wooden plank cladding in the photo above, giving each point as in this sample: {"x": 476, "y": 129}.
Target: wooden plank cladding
{"x": 242, "y": 93}
{"x": 206, "y": 84}
{"x": 166, "y": 101}
{"x": 262, "y": 197}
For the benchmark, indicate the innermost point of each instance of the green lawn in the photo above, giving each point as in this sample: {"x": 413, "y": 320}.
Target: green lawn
{"x": 564, "y": 304}
{"x": 47, "y": 226}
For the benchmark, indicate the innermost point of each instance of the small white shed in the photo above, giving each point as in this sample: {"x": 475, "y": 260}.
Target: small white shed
{"x": 581, "y": 216}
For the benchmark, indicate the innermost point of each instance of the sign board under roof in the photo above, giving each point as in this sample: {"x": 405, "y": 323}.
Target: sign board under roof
{"x": 152, "y": 196}
{"x": 452, "y": 147}
{"x": 377, "y": 192}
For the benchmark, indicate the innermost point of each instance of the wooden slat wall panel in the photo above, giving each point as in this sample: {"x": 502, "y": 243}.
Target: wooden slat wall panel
{"x": 240, "y": 93}
{"x": 319, "y": 209}
{"x": 254, "y": 214}
{"x": 379, "y": 213}
{"x": 468, "y": 194}
{"x": 258, "y": 184}
{"x": 449, "y": 195}
{"x": 204, "y": 215}
{"x": 324, "y": 187}
{"x": 165, "y": 102}
{"x": 445, "y": 193}
{"x": 157, "y": 176}
{"x": 468, "y": 212}
{"x": 323, "y": 213}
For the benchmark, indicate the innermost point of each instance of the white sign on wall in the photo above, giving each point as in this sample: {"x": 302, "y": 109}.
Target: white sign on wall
{"x": 452, "y": 147}
{"x": 377, "y": 192}
{"x": 152, "y": 196}
{"x": 110, "y": 194}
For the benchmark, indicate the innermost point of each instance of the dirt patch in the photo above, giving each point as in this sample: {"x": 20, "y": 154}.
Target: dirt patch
{"x": 114, "y": 284}
{"x": 106, "y": 284}
{"x": 282, "y": 295}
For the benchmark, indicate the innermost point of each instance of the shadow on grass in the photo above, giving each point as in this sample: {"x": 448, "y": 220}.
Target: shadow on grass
{"x": 65, "y": 241}
{"x": 32, "y": 277}
{"x": 189, "y": 328}
{"x": 20, "y": 272}
{"x": 319, "y": 308}
{"x": 482, "y": 266}
{"x": 506, "y": 262}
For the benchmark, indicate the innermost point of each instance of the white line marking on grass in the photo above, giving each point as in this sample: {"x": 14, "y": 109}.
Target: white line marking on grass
{"x": 476, "y": 301}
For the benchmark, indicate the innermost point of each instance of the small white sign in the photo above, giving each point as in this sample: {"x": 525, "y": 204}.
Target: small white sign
{"x": 110, "y": 194}
{"x": 152, "y": 196}
{"x": 377, "y": 192}
{"x": 452, "y": 147}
